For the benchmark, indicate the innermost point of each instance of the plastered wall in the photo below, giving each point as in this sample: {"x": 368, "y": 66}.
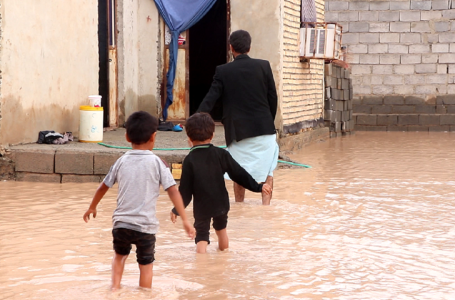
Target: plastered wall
{"x": 49, "y": 65}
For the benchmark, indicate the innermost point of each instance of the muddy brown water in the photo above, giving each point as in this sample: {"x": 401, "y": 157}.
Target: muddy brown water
{"x": 373, "y": 219}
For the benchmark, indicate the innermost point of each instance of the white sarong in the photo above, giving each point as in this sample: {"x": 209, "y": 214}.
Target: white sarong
{"x": 257, "y": 155}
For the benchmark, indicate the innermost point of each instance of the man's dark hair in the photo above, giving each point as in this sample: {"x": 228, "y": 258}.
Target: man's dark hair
{"x": 240, "y": 41}
{"x": 140, "y": 126}
{"x": 200, "y": 127}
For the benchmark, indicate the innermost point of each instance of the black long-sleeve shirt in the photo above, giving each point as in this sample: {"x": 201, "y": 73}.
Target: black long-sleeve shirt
{"x": 203, "y": 179}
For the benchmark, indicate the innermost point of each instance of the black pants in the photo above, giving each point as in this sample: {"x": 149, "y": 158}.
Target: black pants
{"x": 145, "y": 244}
{"x": 202, "y": 227}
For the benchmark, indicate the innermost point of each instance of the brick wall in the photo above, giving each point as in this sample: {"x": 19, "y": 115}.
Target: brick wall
{"x": 1, "y": 75}
{"x": 303, "y": 97}
{"x": 398, "y": 47}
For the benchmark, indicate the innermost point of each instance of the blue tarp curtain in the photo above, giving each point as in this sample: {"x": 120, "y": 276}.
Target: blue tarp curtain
{"x": 179, "y": 16}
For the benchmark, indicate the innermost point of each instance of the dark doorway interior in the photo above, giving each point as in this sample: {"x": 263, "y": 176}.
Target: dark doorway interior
{"x": 103, "y": 50}
{"x": 208, "y": 49}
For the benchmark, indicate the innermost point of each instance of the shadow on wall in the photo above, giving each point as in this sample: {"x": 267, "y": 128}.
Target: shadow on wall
{"x": 22, "y": 125}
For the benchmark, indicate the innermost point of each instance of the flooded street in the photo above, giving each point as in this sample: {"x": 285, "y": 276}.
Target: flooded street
{"x": 374, "y": 218}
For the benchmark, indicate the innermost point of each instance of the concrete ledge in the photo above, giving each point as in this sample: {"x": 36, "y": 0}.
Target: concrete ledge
{"x": 298, "y": 141}
{"x": 73, "y": 162}
{"x": 37, "y": 177}
{"x": 102, "y": 162}
{"x": 41, "y": 161}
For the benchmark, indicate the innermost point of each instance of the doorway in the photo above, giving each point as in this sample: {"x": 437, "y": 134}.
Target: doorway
{"x": 208, "y": 48}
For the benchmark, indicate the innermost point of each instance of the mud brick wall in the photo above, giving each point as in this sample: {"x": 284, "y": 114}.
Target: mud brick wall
{"x": 338, "y": 104}
{"x": 399, "y": 113}
{"x": 399, "y": 47}
{"x": 302, "y": 85}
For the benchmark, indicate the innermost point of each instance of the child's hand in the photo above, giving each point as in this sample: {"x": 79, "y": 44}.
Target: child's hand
{"x": 189, "y": 229}
{"x": 266, "y": 189}
{"x": 87, "y": 214}
{"x": 173, "y": 217}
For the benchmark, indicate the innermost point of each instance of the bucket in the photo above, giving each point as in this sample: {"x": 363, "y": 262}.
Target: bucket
{"x": 95, "y": 100}
{"x": 91, "y": 124}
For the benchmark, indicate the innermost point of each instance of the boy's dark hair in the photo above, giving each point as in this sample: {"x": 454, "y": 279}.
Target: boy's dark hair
{"x": 140, "y": 126}
{"x": 200, "y": 127}
{"x": 240, "y": 41}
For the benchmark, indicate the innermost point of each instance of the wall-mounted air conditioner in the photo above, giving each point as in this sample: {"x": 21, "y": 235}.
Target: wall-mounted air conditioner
{"x": 320, "y": 40}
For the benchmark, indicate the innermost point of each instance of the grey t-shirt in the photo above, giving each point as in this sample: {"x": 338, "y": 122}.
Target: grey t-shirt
{"x": 139, "y": 174}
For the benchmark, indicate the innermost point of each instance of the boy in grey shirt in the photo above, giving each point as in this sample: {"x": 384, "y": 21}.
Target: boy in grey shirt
{"x": 139, "y": 174}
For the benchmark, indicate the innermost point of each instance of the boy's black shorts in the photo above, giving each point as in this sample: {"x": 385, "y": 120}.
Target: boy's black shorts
{"x": 202, "y": 227}
{"x": 145, "y": 244}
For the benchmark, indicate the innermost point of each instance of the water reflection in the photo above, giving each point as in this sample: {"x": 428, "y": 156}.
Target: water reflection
{"x": 373, "y": 219}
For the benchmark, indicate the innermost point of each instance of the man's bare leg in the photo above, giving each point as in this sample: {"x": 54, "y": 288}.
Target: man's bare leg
{"x": 223, "y": 240}
{"x": 145, "y": 279}
{"x": 239, "y": 192}
{"x": 266, "y": 198}
{"x": 118, "y": 264}
{"x": 201, "y": 247}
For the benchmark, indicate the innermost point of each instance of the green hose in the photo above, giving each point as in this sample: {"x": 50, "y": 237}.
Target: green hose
{"x": 174, "y": 149}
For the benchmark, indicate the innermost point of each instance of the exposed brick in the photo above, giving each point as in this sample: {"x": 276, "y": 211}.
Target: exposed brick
{"x": 360, "y": 5}
{"x": 429, "y": 119}
{"x": 416, "y": 79}
{"x": 370, "y": 16}
{"x": 387, "y": 120}
{"x": 338, "y": 5}
{"x": 414, "y": 100}
{"x": 437, "y": 78}
{"x": 425, "y": 109}
{"x": 430, "y": 15}
{"x": 381, "y": 109}
{"x": 331, "y": 16}
{"x": 369, "y": 38}
{"x": 441, "y": 109}
{"x": 430, "y": 58}
{"x": 411, "y": 59}
{"x": 383, "y": 69}
{"x": 80, "y": 178}
{"x": 73, "y": 162}
{"x": 402, "y": 49}
{"x": 447, "y": 58}
{"x": 400, "y": 27}
{"x": 350, "y": 38}
{"x": 447, "y": 120}
{"x": 360, "y": 70}
{"x": 420, "y": 27}
{"x": 421, "y": 5}
{"x": 445, "y": 99}
{"x": 419, "y": 48}
{"x": 348, "y": 16}
{"x": 440, "y": 48}
{"x": 409, "y": 16}
{"x": 430, "y": 38}
{"x": 389, "y": 59}
{"x": 394, "y": 100}
{"x": 418, "y": 128}
{"x": 439, "y": 4}
{"x": 362, "y": 108}
{"x": 359, "y": 48}
{"x": 425, "y": 89}
{"x": 41, "y": 161}
{"x": 372, "y": 100}
{"x": 404, "y": 69}
{"x": 369, "y": 59}
{"x": 366, "y": 119}
{"x": 410, "y": 38}
{"x": 104, "y": 161}
{"x": 377, "y": 5}
{"x": 408, "y": 119}
{"x": 439, "y": 128}
{"x": 403, "y": 89}
{"x": 382, "y": 89}
{"x": 447, "y": 37}
{"x": 441, "y": 26}
{"x": 379, "y": 27}
{"x": 425, "y": 68}
{"x": 38, "y": 177}
{"x": 403, "y": 109}
{"x": 449, "y": 14}
{"x": 389, "y": 38}
{"x": 393, "y": 79}
{"x": 370, "y": 128}
{"x": 397, "y": 128}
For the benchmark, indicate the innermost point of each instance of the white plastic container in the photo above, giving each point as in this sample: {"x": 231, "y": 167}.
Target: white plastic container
{"x": 95, "y": 100}
{"x": 91, "y": 124}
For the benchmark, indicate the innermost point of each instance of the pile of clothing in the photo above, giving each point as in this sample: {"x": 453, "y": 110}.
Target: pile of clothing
{"x": 52, "y": 137}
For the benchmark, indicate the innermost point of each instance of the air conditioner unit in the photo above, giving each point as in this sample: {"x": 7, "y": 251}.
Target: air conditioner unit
{"x": 320, "y": 40}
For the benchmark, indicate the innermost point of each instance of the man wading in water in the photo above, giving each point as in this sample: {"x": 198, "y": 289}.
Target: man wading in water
{"x": 247, "y": 90}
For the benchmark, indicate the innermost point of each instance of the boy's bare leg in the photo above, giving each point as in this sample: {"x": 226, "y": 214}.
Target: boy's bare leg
{"x": 239, "y": 192}
{"x": 223, "y": 240}
{"x": 118, "y": 264}
{"x": 145, "y": 279}
{"x": 201, "y": 247}
{"x": 266, "y": 198}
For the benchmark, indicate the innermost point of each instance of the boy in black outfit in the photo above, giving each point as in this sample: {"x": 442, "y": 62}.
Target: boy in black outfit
{"x": 203, "y": 178}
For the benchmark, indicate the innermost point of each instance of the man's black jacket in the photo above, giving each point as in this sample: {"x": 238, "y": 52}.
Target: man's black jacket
{"x": 248, "y": 93}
